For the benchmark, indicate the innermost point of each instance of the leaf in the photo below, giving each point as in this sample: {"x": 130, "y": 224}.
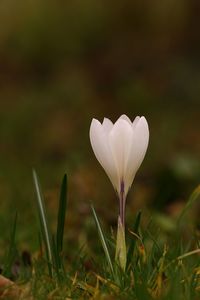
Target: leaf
{"x": 55, "y": 254}
{"x": 12, "y": 250}
{"x": 133, "y": 241}
{"x": 120, "y": 255}
{"x": 8, "y": 289}
{"x": 194, "y": 196}
{"x": 61, "y": 215}
{"x": 43, "y": 223}
{"x": 103, "y": 241}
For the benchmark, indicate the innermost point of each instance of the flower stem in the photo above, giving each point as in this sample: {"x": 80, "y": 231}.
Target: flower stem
{"x": 120, "y": 254}
{"x": 122, "y": 204}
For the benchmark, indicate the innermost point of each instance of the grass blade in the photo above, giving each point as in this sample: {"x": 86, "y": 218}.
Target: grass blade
{"x": 133, "y": 241}
{"x": 103, "y": 241}
{"x": 11, "y": 252}
{"x": 55, "y": 255}
{"x": 61, "y": 215}
{"x": 194, "y": 196}
{"x": 43, "y": 222}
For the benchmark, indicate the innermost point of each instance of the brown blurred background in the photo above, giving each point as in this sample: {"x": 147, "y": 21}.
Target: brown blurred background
{"x": 63, "y": 63}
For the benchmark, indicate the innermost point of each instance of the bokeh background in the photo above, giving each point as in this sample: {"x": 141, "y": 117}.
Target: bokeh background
{"x": 63, "y": 63}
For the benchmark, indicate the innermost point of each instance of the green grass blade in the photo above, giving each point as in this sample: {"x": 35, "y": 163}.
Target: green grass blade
{"x": 12, "y": 251}
{"x": 133, "y": 241}
{"x": 194, "y": 197}
{"x": 61, "y": 215}
{"x": 43, "y": 221}
{"x": 55, "y": 254}
{"x": 103, "y": 240}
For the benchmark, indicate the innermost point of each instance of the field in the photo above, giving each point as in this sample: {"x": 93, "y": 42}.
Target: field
{"x": 61, "y": 65}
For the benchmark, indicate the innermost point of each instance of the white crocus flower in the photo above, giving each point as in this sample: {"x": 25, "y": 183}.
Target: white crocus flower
{"x": 120, "y": 149}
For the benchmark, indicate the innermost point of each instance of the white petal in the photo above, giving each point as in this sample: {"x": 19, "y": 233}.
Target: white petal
{"x": 99, "y": 142}
{"x": 124, "y": 117}
{"x": 138, "y": 150}
{"x": 107, "y": 125}
{"x": 120, "y": 138}
{"x": 135, "y": 121}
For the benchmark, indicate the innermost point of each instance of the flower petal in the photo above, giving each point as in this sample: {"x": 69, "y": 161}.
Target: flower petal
{"x": 120, "y": 139}
{"x": 138, "y": 150}
{"x": 100, "y": 146}
{"x": 135, "y": 121}
{"x": 107, "y": 125}
{"x": 124, "y": 117}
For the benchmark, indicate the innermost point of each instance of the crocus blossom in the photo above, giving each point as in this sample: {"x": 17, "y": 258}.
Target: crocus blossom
{"x": 120, "y": 149}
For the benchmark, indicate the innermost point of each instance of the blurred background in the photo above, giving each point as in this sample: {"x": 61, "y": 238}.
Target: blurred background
{"x": 63, "y": 63}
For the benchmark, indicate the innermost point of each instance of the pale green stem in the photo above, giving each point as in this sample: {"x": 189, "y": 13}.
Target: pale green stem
{"x": 120, "y": 255}
{"x": 122, "y": 201}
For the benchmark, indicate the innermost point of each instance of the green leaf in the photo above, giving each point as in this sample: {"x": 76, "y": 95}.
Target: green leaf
{"x": 12, "y": 251}
{"x": 55, "y": 255}
{"x": 43, "y": 223}
{"x": 120, "y": 255}
{"x": 133, "y": 241}
{"x": 194, "y": 197}
{"x": 103, "y": 240}
{"x": 61, "y": 215}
